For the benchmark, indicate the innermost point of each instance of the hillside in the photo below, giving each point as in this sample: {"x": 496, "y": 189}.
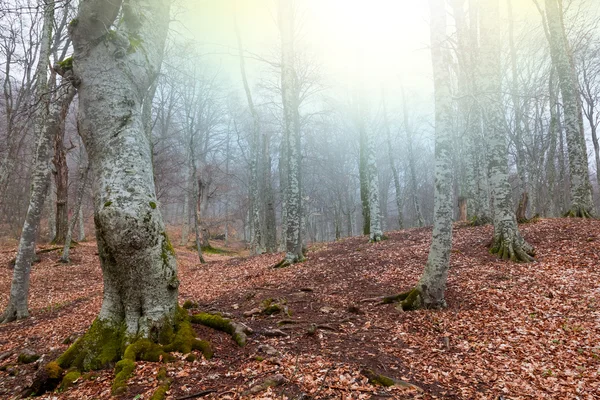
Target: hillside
{"x": 512, "y": 331}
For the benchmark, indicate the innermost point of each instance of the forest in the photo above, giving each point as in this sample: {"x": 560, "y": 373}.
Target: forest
{"x": 299, "y": 199}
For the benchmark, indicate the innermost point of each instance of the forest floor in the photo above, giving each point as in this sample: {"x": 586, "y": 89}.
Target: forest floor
{"x": 511, "y": 331}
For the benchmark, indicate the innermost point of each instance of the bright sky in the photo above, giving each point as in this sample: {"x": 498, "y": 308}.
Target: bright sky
{"x": 388, "y": 37}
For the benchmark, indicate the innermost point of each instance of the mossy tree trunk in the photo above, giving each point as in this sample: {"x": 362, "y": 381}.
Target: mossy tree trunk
{"x": 115, "y": 62}
{"x": 507, "y": 242}
{"x": 429, "y": 291}
{"x": 581, "y": 191}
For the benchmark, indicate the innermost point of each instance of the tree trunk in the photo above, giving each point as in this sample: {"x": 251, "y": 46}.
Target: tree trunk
{"x": 292, "y": 134}
{"x": 185, "y": 227}
{"x": 47, "y": 124}
{"x": 61, "y": 175}
{"x": 462, "y": 208}
{"x": 257, "y": 244}
{"x": 80, "y": 192}
{"x": 397, "y": 187}
{"x": 507, "y": 241}
{"x": 518, "y": 133}
{"x": 363, "y": 170}
{"x": 270, "y": 220}
{"x": 429, "y": 291}
{"x": 81, "y": 225}
{"x": 375, "y": 232}
{"x": 522, "y": 208}
{"x": 114, "y": 65}
{"x": 411, "y": 162}
{"x": 581, "y": 193}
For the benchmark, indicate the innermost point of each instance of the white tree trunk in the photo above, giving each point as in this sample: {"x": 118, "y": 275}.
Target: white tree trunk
{"x": 292, "y": 134}
{"x": 375, "y": 232}
{"x": 46, "y": 125}
{"x": 429, "y": 291}
{"x": 257, "y": 244}
{"x": 581, "y": 192}
{"x": 508, "y": 242}
{"x": 115, "y": 63}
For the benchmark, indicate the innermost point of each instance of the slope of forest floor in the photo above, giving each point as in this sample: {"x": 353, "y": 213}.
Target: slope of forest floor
{"x": 511, "y": 331}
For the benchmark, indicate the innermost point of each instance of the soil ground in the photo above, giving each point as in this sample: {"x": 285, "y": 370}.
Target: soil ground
{"x": 511, "y": 331}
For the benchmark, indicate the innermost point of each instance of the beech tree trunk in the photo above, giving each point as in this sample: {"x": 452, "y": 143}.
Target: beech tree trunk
{"x": 411, "y": 162}
{"x": 115, "y": 62}
{"x": 397, "y": 186}
{"x": 430, "y": 290}
{"x": 375, "y": 231}
{"x": 507, "y": 242}
{"x": 581, "y": 192}
{"x": 47, "y": 123}
{"x": 292, "y": 134}
{"x": 257, "y": 244}
{"x": 363, "y": 171}
{"x": 61, "y": 179}
{"x": 76, "y": 215}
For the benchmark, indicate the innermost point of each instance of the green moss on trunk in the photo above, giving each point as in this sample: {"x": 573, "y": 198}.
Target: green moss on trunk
{"x": 97, "y": 349}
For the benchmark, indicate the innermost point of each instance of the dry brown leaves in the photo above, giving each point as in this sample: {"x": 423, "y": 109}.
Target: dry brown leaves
{"x": 512, "y": 331}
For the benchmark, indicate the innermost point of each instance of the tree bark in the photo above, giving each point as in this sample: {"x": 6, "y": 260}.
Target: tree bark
{"x": 411, "y": 162}
{"x": 507, "y": 242}
{"x": 115, "y": 63}
{"x": 430, "y": 290}
{"x": 76, "y": 214}
{"x": 46, "y": 125}
{"x": 581, "y": 193}
{"x": 257, "y": 243}
{"x": 375, "y": 231}
{"x": 292, "y": 134}
{"x": 61, "y": 179}
{"x": 397, "y": 186}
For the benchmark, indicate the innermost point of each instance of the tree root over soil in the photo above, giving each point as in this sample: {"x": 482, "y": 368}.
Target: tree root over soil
{"x": 105, "y": 344}
{"x": 409, "y": 301}
{"x": 508, "y": 244}
{"x": 578, "y": 212}
{"x": 237, "y": 331}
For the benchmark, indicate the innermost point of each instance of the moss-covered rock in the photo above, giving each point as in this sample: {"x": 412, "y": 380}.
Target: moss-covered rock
{"x": 27, "y": 356}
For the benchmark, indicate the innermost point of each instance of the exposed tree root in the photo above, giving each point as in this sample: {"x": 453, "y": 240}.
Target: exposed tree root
{"x": 106, "y": 343}
{"x": 409, "y": 300}
{"x": 237, "y": 331}
{"x": 164, "y": 384}
{"x": 508, "y": 244}
{"x": 479, "y": 220}
{"x": 282, "y": 264}
{"x": 382, "y": 380}
{"x": 578, "y": 212}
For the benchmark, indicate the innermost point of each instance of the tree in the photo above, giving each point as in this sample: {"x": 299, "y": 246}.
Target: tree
{"x": 581, "y": 192}
{"x": 118, "y": 50}
{"x": 429, "y": 291}
{"x": 257, "y": 241}
{"x": 289, "y": 93}
{"x": 49, "y": 119}
{"x": 507, "y": 242}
